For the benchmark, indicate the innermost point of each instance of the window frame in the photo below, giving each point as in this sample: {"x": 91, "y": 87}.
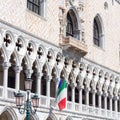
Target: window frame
{"x": 98, "y": 36}
{"x": 37, "y": 7}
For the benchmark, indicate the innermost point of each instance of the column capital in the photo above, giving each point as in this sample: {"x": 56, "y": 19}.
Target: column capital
{"x": 72, "y": 85}
{"x": 93, "y": 91}
{"x": 28, "y": 73}
{"x": 17, "y": 69}
{"x": 46, "y": 77}
{"x": 79, "y": 88}
{"x": 38, "y": 75}
{"x": 105, "y": 95}
{"x": 86, "y": 89}
{"x": 110, "y": 96}
{"x": 6, "y": 65}
{"x": 55, "y": 80}
{"x": 115, "y": 98}
{"x": 99, "y": 93}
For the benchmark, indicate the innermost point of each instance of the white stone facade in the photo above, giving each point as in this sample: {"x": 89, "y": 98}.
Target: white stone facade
{"x": 35, "y": 46}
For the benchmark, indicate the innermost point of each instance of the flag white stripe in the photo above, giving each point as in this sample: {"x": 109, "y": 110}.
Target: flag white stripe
{"x": 62, "y": 95}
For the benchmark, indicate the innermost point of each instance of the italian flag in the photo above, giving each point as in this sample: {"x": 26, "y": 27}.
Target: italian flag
{"x": 61, "y": 94}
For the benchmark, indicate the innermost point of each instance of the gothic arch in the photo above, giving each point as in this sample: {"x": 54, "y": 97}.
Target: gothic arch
{"x": 98, "y": 31}
{"x": 73, "y": 24}
{"x": 8, "y": 112}
{"x": 69, "y": 118}
{"x": 51, "y": 116}
{"x": 33, "y": 117}
{"x": 77, "y": 16}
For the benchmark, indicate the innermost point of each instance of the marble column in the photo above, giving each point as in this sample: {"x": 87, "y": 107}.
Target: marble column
{"x": 73, "y": 97}
{"x": 6, "y": 66}
{"x": 115, "y": 103}
{"x": 105, "y": 102}
{"x": 48, "y": 90}
{"x": 93, "y": 98}
{"x": 110, "y": 98}
{"x": 99, "y": 100}
{"x": 38, "y": 89}
{"x": 17, "y": 77}
{"x": 87, "y": 96}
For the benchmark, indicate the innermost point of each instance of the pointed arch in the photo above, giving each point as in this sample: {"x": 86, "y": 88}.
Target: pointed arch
{"x": 51, "y": 117}
{"x": 73, "y": 24}
{"x": 9, "y": 113}
{"x": 98, "y": 31}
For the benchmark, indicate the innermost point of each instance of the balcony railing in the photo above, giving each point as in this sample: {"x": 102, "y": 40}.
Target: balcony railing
{"x": 73, "y": 107}
{"x": 71, "y": 42}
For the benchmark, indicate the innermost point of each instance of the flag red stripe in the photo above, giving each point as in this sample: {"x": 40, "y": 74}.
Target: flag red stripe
{"x": 62, "y": 104}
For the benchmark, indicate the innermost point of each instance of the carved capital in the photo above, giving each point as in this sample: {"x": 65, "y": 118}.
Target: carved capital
{"x": 17, "y": 69}
{"x": 6, "y": 65}
{"x": 28, "y": 73}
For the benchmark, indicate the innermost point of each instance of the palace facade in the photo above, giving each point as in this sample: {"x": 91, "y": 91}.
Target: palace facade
{"x": 76, "y": 40}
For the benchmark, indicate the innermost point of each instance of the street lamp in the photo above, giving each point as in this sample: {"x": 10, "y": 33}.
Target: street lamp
{"x": 29, "y": 103}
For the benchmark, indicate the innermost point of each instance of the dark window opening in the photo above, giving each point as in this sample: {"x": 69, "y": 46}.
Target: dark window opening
{"x": 102, "y": 101}
{"x": 34, "y": 83}
{"x": 83, "y": 96}
{"x": 90, "y": 98}
{"x": 69, "y": 93}
{"x": 96, "y": 33}
{"x": 11, "y": 78}
{"x": 36, "y": 6}
{"x": 43, "y": 86}
{"x": 96, "y": 100}
{"x": 52, "y": 88}
{"x": 108, "y": 103}
{"x": 69, "y": 28}
{"x": 76, "y": 95}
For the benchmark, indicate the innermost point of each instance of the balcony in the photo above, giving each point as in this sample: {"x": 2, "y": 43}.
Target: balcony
{"x": 71, "y": 106}
{"x": 71, "y": 42}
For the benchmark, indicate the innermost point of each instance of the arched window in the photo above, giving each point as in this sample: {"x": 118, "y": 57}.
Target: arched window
{"x": 97, "y": 32}
{"x": 69, "y": 28}
{"x": 72, "y": 25}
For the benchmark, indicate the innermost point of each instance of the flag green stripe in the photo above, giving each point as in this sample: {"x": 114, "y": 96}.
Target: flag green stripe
{"x": 64, "y": 85}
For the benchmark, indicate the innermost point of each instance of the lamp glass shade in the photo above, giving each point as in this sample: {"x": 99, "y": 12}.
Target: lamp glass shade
{"x": 28, "y": 84}
{"x": 35, "y": 101}
{"x": 19, "y": 99}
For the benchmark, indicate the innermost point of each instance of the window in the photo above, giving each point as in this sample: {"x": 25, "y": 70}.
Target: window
{"x": 69, "y": 28}
{"x": 72, "y": 25}
{"x": 36, "y": 6}
{"x": 97, "y": 32}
